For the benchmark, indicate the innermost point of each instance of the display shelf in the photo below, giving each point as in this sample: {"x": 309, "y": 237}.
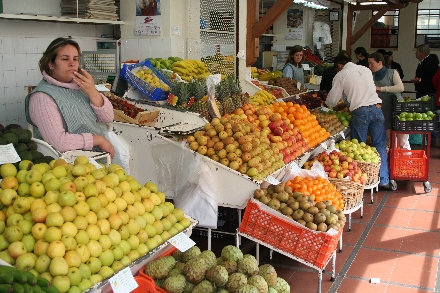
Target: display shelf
{"x": 49, "y": 18}
{"x": 104, "y": 286}
{"x": 217, "y": 31}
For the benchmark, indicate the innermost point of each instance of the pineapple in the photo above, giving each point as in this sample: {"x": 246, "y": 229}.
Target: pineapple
{"x": 181, "y": 90}
{"x": 198, "y": 89}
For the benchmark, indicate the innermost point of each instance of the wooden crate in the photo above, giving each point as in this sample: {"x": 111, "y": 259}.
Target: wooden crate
{"x": 147, "y": 118}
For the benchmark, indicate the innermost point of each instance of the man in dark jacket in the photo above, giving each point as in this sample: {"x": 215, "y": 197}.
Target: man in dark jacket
{"x": 393, "y": 64}
{"x": 425, "y": 71}
{"x": 329, "y": 73}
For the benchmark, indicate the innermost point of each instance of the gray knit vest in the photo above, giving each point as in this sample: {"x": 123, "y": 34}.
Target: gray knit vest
{"x": 74, "y": 106}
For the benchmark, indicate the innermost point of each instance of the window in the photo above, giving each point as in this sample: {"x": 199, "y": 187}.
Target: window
{"x": 385, "y": 32}
{"x": 428, "y": 28}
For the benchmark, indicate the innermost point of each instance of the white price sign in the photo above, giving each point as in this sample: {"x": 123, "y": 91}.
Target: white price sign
{"x": 182, "y": 242}
{"x": 324, "y": 109}
{"x": 123, "y": 281}
{"x": 298, "y": 85}
{"x": 324, "y": 145}
{"x": 8, "y": 154}
{"x": 271, "y": 180}
{"x": 342, "y": 134}
{"x": 294, "y": 166}
{"x": 306, "y": 66}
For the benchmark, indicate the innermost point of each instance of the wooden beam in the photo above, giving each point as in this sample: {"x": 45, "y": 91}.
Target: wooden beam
{"x": 252, "y": 17}
{"x": 349, "y": 28}
{"x": 269, "y": 17}
{"x": 369, "y": 24}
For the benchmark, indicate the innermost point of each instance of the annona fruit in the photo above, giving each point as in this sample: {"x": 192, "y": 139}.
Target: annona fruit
{"x": 230, "y": 266}
{"x": 248, "y": 289}
{"x": 177, "y": 254}
{"x": 209, "y": 257}
{"x": 174, "y": 284}
{"x": 218, "y": 275}
{"x": 157, "y": 269}
{"x": 268, "y": 272}
{"x": 195, "y": 270}
{"x": 203, "y": 287}
{"x": 231, "y": 252}
{"x": 282, "y": 286}
{"x": 259, "y": 282}
{"x": 248, "y": 265}
{"x": 235, "y": 282}
{"x": 191, "y": 253}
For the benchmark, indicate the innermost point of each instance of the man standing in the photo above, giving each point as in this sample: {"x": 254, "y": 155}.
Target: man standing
{"x": 354, "y": 84}
{"x": 392, "y": 63}
{"x": 425, "y": 71}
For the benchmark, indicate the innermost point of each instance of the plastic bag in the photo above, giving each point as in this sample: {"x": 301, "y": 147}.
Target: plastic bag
{"x": 197, "y": 197}
{"x": 122, "y": 150}
{"x": 317, "y": 170}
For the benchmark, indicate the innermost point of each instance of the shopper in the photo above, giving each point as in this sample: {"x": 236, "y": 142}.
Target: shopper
{"x": 425, "y": 71}
{"x": 354, "y": 84}
{"x": 391, "y": 63}
{"x": 362, "y": 56}
{"x": 389, "y": 87}
{"x": 329, "y": 73}
{"x": 65, "y": 108}
{"x": 293, "y": 67}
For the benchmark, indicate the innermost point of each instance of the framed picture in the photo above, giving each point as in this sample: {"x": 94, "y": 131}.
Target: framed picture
{"x": 334, "y": 15}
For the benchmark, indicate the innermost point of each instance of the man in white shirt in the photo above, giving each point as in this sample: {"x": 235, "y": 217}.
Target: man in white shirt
{"x": 354, "y": 84}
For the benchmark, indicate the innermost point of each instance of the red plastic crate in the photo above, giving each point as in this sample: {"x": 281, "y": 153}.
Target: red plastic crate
{"x": 313, "y": 247}
{"x": 409, "y": 164}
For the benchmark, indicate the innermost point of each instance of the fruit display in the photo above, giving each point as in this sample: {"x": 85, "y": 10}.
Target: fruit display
{"x": 268, "y": 76}
{"x": 328, "y": 121}
{"x": 262, "y": 98}
{"x": 14, "y": 280}
{"x": 22, "y": 141}
{"x": 301, "y": 207}
{"x": 160, "y": 63}
{"x": 191, "y": 69}
{"x": 338, "y": 165}
{"x": 406, "y": 116}
{"x": 203, "y": 272}
{"x": 220, "y": 64}
{"x": 149, "y": 77}
{"x": 276, "y": 91}
{"x": 319, "y": 189}
{"x": 229, "y": 95}
{"x": 76, "y": 225}
{"x": 425, "y": 98}
{"x": 123, "y": 105}
{"x": 290, "y": 85}
{"x": 256, "y": 72}
{"x": 358, "y": 151}
{"x": 306, "y": 122}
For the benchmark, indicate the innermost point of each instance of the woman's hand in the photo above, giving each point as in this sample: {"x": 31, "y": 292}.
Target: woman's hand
{"x": 85, "y": 81}
{"x": 104, "y": 144}
{"x": 378, "y": 89}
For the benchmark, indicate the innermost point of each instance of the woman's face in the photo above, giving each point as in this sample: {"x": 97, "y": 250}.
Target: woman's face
{"x": 297, "y": 57}
{"x": 66, "y": 63}
{"x": 374, "y": 66}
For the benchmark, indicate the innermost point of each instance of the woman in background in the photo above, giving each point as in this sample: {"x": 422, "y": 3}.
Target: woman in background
{"x": 293, "y": 67}
{"x": 389, "y": 86}
{"x": 65, "y": 108}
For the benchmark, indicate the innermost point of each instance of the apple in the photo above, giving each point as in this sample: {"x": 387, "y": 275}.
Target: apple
{"x": 81, "y": 208}
{"x": 79, "y": 170}
{"x": 115, "y": 237}
{"x": 142, "y": 235}
{"x": 141, "y": 221}
{"x": 54, "y": 219}
{"x": 131, "y": 211}
{"x": 74, "y": 275}
{"x": 38, "y": 230}
{"x": 94, "y": 204}
{"x": 103, "y": 199}
{"x": 37, "y": 189}
{"x": 85, "y": 284}
{"x": 16, "y": 248}
{"x": 104, "y": 226}
{"x": 90, "y": 190}
{"x": 105, "y": 241}
{"x": 72, "y": 258}
{"x": 91, "y": 218}
{"x": 25, "y": 226}
{"x": 13, "y": 233}
{"x": 56, "y": 249}
{"x": 94, "y": 264}
{"x": 80, "y": 196}
{"x": 125, "y": 260}
{"x": 67, "y": 198}
{"x": 68, "y": 186}
{"x": 52, "y": 234}
{"x": 143, "y": 249}
{"x": 8, "y": 196}
{"x": 124, "y": 186}
{"x": 25, "y": 165}
{"x": 111, "y": 208}
{"x": 14, "y": 219}
{"x": 42, "y": 263}
{"x": 109, "y": 181}
{"x": 4, "y": 255}
{"x": 69, "y": 242}
{"x": 133, "y": 255}
{"x": 94, "y": 247}
{"x": 3, "y": 243}
{"x": 59, "y": 171}
{"x": 103, "y": 213}
{"x": 25, "y": 261}
{"x": 93, "y": 231}
{"x": 52, "y": 183}
{"x": 98, "y": 173}
{"x": 23, "y": 189}
{"x": 69, "y": 229}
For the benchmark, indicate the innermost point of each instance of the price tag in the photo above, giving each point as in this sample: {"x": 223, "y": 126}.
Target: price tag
{"x": 101, "y": 88}
{"x": 8, "y": 154}
{"x": 294, "y": 166}
{"x": 271, "y": 180}
{"x": 94, "y": 163}
{"x": 182, "y": 242}
{"x": 297, "y": 96}
{"x": 342, "y": 134}
{"x": 306, "y": 66}
{"x": 123, "y": 282}
{"x": 324, "y": 145}
{"x": 298, "y": 85}
{"x": 324, "y": 109}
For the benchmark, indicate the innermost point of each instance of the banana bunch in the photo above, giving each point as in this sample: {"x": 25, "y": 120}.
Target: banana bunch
{"x": 148, "y": 76}
{"x": 13, "y": 280}
{"x": 160, "y": 63}
{"x": 191, "y": 69}
{"x": 262, "y": 98}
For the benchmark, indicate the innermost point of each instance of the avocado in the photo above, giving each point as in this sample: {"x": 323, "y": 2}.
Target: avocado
{"x": 39, "y": 160}
{"x": 10, "y": 138}
{"x": 48, "y": 159}
{"x": 3, "y": 141}
{"x": 13, "y": 126}
{"x": 32, "y": 145}
{"x": 26, "y": 155}
{"x": 21, "y": 147}
{"x": 36, "y": 155}
{"x": 24, "y": 135}
{"x": 2, "y": 127}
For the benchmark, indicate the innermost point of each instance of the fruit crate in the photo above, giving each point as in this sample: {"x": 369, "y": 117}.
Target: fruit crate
{"x": 409, "y": 164}
{"x": 416, "y": 125}
{"x": 214, "y": 234}
{"x": 155, "y": 94}
{"x": 415, "y": 106}
{"x": 272, "y": 228}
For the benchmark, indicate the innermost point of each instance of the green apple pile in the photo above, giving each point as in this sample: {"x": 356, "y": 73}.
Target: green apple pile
{"x": 75, "y": 225}
{"x": 358, "y": 151}
{"x": 406, "y": 116}
{"x": 425, "y": 98}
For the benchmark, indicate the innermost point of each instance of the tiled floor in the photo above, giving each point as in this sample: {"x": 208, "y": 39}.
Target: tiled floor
{"x": 397, "y": 240}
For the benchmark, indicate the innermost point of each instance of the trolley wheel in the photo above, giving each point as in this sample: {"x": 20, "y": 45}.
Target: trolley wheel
{"x": 427, "y": 186}
{"x": 393, "y": 185}
{"x": 332, "y": 279}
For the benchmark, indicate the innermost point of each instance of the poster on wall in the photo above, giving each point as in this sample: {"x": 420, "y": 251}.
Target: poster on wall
{"x": 148, "y": 18}
{"x": 295, "y": 26}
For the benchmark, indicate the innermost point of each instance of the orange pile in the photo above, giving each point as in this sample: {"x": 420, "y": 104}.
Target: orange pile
{"x": 301, "y": 117}
{"x": 319, "y": 189}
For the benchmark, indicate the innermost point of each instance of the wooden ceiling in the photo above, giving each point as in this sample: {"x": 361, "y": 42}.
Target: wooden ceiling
{"x": 256, "y": 27}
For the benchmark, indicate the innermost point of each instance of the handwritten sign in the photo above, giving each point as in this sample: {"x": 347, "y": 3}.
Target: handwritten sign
{"x": 271, "y": 180}
{"x": 8, "y": 154}
{"x": 123, "y": 282}
{"x": 182, "y": 242}
{"x": 342, "y": 134}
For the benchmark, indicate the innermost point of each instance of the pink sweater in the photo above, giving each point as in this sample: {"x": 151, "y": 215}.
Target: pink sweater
{"x": 46, "y": 116}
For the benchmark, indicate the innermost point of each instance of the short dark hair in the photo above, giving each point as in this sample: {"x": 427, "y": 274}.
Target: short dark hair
{"x": 341, "y": 59}
{"x": 51, "y": 52}
{"x": 361, "y": 51}
{"x": 377, "y": 56}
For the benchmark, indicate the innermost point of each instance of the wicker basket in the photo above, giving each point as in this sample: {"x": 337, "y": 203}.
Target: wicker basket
{"x": 372, "y": 171}
{"x": 352, "y": 192}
